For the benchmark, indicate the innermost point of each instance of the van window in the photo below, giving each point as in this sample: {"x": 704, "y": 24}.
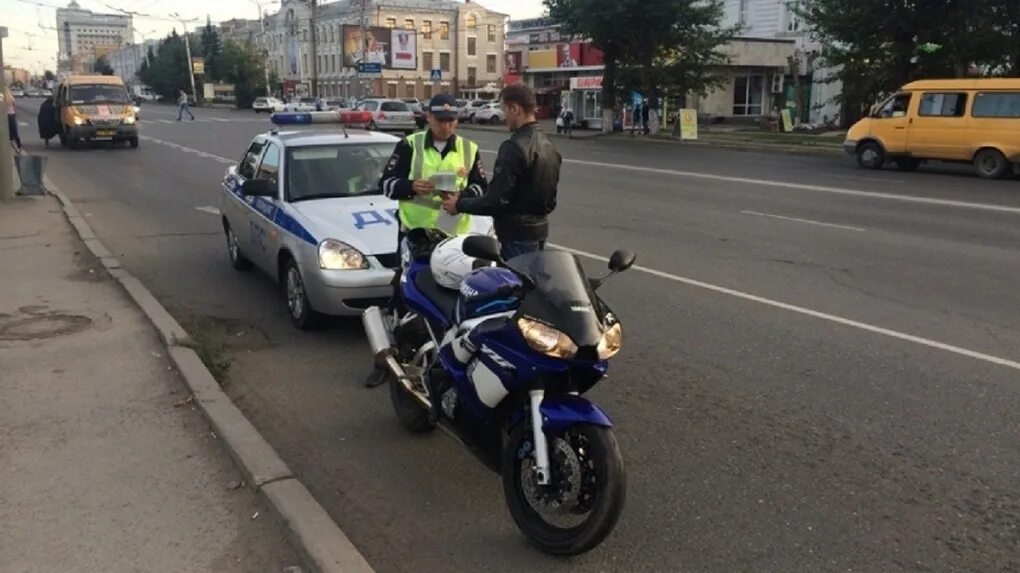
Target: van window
{"x": 997, "y": 104}
{"x": 942, "y": 105}
{"x": 97, "y": 93}
{"x": 895, "y": 106}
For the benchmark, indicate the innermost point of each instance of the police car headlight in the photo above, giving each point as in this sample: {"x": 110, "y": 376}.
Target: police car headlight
{"x": 339, "y": 256}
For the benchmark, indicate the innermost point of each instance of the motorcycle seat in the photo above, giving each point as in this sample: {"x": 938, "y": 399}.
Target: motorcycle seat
{"x": 444, "y": 299}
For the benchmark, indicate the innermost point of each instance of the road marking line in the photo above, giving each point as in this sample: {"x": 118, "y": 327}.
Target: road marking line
{"x": 813, "y": 313}
{"x": 808, "y": 221}
{"x": 23, "y": 123}
{"x": 219, "y": 119}
{"x": 173, "y": 145}
{"x": 762, "y": 300}
{"x": 208, "y": 209}
{"x": 163, "y": 120}
{"x": 799, "y": 186}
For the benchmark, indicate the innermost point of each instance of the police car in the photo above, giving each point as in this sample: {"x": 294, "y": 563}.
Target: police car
{"x": 304, "y": 206}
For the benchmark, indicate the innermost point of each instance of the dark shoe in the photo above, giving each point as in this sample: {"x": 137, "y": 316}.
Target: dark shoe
{"x": 378, "y": 377}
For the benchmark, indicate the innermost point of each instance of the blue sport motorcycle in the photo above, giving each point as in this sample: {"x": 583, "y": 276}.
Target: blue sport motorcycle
{"x": 502, "y": 365}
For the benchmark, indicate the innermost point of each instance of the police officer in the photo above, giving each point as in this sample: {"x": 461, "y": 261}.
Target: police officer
{"x": 522, "y": 192}
{"x": 414, "y": 161}
{"x": 424, "y": 154}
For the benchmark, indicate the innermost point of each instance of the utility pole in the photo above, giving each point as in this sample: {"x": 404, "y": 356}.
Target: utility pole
{"x": 6, "y": 151}
{"x": 187, "y": 50}
{"x": 313, "y": 24}
{"x": 364, "y": 45}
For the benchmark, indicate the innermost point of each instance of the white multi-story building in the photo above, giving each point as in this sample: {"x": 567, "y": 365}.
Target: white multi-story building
{"x": 778, "y": 20}
{"x": 127, "y": 61}
{"x": 318, "y": 54}
{"x": 84, "y": 35}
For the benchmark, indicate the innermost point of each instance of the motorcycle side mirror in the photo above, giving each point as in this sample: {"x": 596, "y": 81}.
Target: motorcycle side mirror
{"x": 621, "y": 260}
{"x": 482, "y": 247}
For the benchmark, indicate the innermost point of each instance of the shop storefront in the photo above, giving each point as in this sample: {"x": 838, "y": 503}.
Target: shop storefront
{"x": 585, "y": 98}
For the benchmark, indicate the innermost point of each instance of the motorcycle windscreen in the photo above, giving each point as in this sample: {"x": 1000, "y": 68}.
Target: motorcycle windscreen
{"x": 562, "y": 299}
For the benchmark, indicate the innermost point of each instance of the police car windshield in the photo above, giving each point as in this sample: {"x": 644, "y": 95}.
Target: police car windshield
{"x": 329, "y": 171}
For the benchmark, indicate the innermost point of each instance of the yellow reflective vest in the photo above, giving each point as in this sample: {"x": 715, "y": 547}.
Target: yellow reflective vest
{"x": 426, "y": 210}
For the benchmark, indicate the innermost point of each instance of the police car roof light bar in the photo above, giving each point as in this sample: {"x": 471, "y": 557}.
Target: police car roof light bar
{"x": 344, "y": 118}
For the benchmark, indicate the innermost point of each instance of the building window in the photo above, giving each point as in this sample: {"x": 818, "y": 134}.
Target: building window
{"x": 426, "y": 29}
{"x": 748, "y": 94}
{"x": 409, "y": 90}
{"x": 472, "y": 22}
{"x": 444, "y": 30}
{"x": 472, "y": 75}
{"x": 533, "y": 38}
{"x": 444, "y": 61}
{"x": 942, "y": 105}
{"x": 332, "y": 34}
{"x": 391, "y": 22}
{"x": 744, "y": 7}
{"x": 428, "y": 91}
{"x": 332, "y": 63}
{"x": 472, "y": 48}
{"x": 426, "y": 58}
{"x": 409, "y": 24}
{"x": 792, "y": 17}
{"x": 492, "y": 33}
{"x": 490, "y": 63}
{"x": 304, "y": 63}
{"x": 391, "y": 90}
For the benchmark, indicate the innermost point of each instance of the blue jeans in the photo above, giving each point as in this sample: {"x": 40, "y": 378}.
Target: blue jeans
{"x": 511, "y": 249}
{"x": 181, "y": 108}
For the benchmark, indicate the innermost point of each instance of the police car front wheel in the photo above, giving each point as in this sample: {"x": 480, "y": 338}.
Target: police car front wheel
{"x": 237, "y": 259}
{"x": 298, "y": 305}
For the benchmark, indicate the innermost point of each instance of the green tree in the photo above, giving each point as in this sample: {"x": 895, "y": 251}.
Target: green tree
{"x": 242, "y": 66}
{"x": 212, "y": 47}
{"x": 49, "y": 76}
{"x": 167, "y": 71}
{"x": 102, "y": 66}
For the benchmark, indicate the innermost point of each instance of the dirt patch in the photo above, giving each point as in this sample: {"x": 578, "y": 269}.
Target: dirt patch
{"x": 87, "y": 268}
{"x": 43, "y": 325}
{"x": 214, "y": 338}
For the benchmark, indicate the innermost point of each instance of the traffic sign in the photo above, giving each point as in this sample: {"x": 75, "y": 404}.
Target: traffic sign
{"x": 369, "y": 68}
{"x": 436, "y": 75}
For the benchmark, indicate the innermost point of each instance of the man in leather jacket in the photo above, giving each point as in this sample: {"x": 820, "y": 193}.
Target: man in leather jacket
{"x": 522, "y": 192}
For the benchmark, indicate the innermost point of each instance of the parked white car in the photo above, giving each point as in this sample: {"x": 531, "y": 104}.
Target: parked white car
{"x": 467, "y": 113}
{"x": 489, "y": 113}
{"x": 389, "y": 115}
{"x": 300, "y": 104}
{"x": 267, "y": 104}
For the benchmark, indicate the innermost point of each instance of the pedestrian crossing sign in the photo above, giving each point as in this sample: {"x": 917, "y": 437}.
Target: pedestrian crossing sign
{"x": 435, "y": 75}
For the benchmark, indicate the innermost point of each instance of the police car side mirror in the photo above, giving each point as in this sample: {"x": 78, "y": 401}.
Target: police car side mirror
{"x": 259, "y": 188}
{"x": 482, "y": 247}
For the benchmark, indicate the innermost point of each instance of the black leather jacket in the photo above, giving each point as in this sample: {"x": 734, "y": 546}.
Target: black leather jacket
{"x": 522, "y": 192}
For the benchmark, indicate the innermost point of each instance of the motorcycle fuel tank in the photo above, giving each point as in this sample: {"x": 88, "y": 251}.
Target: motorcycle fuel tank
{"x": 487, "y": 291}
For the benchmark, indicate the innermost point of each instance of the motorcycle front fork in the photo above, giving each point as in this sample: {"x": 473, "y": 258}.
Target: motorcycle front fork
{"x": 541, "y": 445}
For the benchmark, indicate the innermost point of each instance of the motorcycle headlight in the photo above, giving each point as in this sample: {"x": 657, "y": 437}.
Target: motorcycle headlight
{"x": 339, "y": 256}
{"x": 546, "y": 339}
{"x": 612, "y": 340}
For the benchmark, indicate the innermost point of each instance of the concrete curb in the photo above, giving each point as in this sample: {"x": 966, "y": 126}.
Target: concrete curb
{"x": 322, "y": 544}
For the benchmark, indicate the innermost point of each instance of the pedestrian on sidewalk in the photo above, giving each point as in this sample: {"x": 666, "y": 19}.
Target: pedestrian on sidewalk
{"x": 635, "y": 119}
{"x": 182, "y": 106}
{"x": 644, "y": 118}
{"x": 12, "y": 119}
{"x": 568, "y": 120}
{"x": 559, "y": 124}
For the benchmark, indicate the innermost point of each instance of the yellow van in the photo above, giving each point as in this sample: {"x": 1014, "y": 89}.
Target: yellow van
{"x": 94, "y": 108}
{"x": 969, "y": 120}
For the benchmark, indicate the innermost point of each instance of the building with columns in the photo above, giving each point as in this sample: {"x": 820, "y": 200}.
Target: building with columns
{"x": 315, "y": 49}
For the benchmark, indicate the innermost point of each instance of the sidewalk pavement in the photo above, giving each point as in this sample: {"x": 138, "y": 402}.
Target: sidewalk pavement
{"x": 105, "y": 464}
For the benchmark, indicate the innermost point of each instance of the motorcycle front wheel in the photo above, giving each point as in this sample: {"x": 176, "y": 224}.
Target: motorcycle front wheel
{"x": 582, "y": 503}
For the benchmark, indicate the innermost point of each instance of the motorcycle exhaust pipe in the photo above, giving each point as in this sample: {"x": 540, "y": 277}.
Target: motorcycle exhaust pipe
{"x": 380, "y": 338}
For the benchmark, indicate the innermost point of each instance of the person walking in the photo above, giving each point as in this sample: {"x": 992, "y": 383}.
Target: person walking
{"x": 568, "y": 120}
{"x": 11, "y": 107}
{"x": 524, "y": 183}
{"x": 182, "y": 106}
{"x": 635, "y": 119}
{"x": 644, "y": 117}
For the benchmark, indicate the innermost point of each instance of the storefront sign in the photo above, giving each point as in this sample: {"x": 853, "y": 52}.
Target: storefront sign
{"x": 586, "y": 83}
{"x": 688, "y": 123}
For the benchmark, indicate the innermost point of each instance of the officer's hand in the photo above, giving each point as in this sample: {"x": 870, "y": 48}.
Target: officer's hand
{"x": 422, "y": 187}
{"x": 450, "y": 203}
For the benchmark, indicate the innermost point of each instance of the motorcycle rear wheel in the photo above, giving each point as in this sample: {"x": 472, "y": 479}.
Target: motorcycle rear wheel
{"x": 588, "y": 487}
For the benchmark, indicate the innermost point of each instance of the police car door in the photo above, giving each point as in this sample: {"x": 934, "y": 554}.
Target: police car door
{"x": 262, "y": 232}
{"x": 237, "y": 208}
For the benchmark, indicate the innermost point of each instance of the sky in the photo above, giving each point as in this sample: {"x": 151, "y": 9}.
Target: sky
{"x": 31, "y": 42}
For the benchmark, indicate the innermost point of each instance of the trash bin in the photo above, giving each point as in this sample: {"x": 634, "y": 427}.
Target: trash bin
{"x": 30, "y": 170}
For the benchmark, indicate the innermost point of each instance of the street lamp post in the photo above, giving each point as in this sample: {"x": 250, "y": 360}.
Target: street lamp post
{"x": 265, "y": 44}
{"x": 6, "y": 152}
{"x": 187, "y": 51}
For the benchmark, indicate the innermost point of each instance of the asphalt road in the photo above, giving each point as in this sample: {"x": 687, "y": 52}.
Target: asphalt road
{"x": 821, "y": 369}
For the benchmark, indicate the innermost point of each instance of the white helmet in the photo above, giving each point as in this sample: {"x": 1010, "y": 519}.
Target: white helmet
{"x": 449, "y": 263}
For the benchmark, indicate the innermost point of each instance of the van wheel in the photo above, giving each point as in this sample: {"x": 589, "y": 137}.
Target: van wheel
{"x": 134, "y": 142}
{"x": 991, "y": 164}
{"x": 907, "y": 164}
{"x": 870, "y": 155}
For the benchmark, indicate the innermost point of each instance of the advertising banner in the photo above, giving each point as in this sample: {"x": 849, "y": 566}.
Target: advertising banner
{"x": 567, "y": 55}
{"x": 586, "y": 83}
{"x": 395, "y": 48}
{"x": 403, "y": 49}
{"x": 688, "y": 123}
{"x": 198, "y": 66}
{"x": 512, "y": 62}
